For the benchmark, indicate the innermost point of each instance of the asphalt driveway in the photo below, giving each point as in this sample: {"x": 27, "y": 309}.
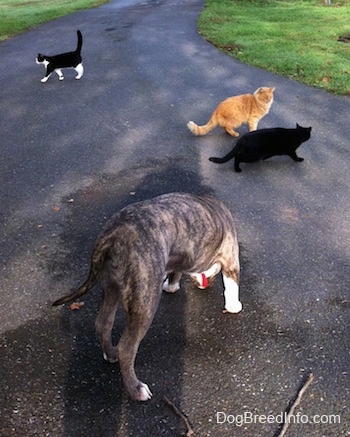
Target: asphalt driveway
{"x": 74, "y": 152}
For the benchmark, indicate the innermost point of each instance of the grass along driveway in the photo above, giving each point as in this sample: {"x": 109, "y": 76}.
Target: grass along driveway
{"x": 17, "y": 16}
{"x": 305, "y": 40}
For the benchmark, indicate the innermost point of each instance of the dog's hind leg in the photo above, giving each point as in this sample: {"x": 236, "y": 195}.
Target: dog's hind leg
{"x": 140, "y": 309}
{"x": 105, "y": 319}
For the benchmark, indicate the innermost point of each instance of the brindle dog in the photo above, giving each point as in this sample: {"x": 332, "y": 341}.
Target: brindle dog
{"x": 145, "y": 248}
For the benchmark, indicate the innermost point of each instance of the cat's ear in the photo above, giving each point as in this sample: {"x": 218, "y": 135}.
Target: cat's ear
{"x": 298, "y": 126}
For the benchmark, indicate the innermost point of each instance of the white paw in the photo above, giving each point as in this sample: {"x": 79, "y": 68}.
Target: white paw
{"x": 231, "y": 293}
{"x": 109, "y": 360}
{"x": 61, "y": 78}
{"x": 170, "y": 288}
{"x": 145, "y": 392}
{"x": 233, "y": 307}
{"x": 44, "y": 79}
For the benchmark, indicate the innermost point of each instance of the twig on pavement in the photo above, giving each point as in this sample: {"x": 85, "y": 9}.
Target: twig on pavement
{"x": 297, "y": 401}
{"x": 189, "y": 430}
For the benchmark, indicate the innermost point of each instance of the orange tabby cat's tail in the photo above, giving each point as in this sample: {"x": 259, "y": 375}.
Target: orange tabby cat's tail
{"x": 202, "y": 130}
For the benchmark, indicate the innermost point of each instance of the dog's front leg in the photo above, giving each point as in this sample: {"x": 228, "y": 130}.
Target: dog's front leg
{"x": 231, "y": 294}
{"x": 172, "y": 282}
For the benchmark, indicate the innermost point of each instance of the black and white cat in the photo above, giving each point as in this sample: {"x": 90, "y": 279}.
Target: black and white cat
{"x": 64, "y": 60}
{"x": 265, "y": 143}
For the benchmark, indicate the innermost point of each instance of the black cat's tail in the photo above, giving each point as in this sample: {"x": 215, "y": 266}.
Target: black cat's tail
{"x": 225, "y": 158}
{"x": 80, "y": 42}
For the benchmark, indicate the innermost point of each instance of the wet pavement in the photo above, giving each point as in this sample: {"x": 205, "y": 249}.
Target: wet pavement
{"x": 74, "y": 152}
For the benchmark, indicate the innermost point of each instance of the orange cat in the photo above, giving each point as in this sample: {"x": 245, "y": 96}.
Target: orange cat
{"x": 234, "y": 111}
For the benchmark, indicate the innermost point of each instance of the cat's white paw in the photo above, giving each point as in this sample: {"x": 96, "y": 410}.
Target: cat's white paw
{"x": 80, "y": 70}
{"x": 61, "y": 78}
{"x": 44, "y": 79}
{"x": 145, "y": 393}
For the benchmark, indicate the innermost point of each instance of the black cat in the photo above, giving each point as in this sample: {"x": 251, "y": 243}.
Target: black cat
{"x": 265, "y": 143}
{"x": 64, "y": 60}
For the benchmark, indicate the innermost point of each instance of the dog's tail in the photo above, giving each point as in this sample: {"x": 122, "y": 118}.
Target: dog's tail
{"x": 80, "y": 42}
{"x": 203, "y": 130}
{"x": 97, "y": 261}
{"x": 225, "y": 158}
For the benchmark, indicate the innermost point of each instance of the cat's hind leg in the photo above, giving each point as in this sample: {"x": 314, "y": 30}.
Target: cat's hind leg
{"x": 80, "y": 70}
{"x": 295, "y": 157}
{"x": 59, "y": 73}
{"x": 237, "y": 167}
{"x": 231, "y": 131}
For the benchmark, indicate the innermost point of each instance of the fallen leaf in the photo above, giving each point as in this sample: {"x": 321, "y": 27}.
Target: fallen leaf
{"x": 76, "y": 306}
{"x": 56, "y": 208}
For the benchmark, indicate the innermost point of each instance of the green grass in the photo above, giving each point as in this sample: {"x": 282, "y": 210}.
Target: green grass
{"x": 293, "y": 38}
{"x": 17, "y": 16}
